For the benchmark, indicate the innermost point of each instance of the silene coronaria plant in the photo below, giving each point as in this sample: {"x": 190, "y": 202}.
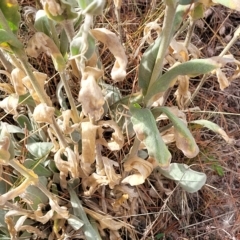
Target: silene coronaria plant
{"x": 65, "y": 148}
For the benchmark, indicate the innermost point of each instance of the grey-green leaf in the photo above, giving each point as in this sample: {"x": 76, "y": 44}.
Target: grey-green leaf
{"x": 188, "y": 179}
{"x": 39, "y": 149}
{"x": 194, "y": 67}
{"x": 184, "y": 139}
{"x": 75, "y": 222}
{"x": 214, "y": 127}
{"x": 79, "y": 212}
{"x": 147, "y": 64}
{"x": 146, "y": 130}
{"x": 39, "y": 169}
{"x": 35, "y": 195}
{"x": 42, "y": 23}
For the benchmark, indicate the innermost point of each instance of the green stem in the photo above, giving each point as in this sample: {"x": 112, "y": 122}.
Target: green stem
{"x": 165, "y": 41}
{"x": 70, "y": 97}
{"x": 70, "y": 32}
{"x": 54, "y": 33}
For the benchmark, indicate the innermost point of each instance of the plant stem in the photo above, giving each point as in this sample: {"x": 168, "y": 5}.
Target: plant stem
{"x": 59, "y": 134}
{"x": 165, "y": 41}
{"x": 70, "y": 32}
{"x": 189, "y": 33}
{"x": 230, "y": 44}
{"x": 54, "y": 33}
{"x": 42, "y": 96}
{"x": 23, "y": 59}
{"x": 7, "y": 65}
{"x": 69, "y": 29}
{"x": 70, "y": 97}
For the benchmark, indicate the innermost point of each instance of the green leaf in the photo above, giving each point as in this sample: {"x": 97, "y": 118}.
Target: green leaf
{"x": 35, "y": 195}
{"x": 75, "y": 222}
{"x": 11, "y": 128}
{"x": 39, "y": 149}
{"x": 79, "y": 212}
{"x": 78, "y": 45}
{"x": 26, "y": 99}
{"x": 181, "y": 12}
{"x": 184, "y": 139}
{"x": 10, "y": 9}
{"x": 42, "y": 23}
{"x": 186, "y": 2}
{"x": 93, "y": 7}
{"x": 218, "y": 169}
{"x": 63, "y": 43}
{"x": 214, "y": 127}
{"x": 194, "y": 67}
{"x": 188, "y": 179}
{"x": 233, "y": 4}
{"x": 37, "y": 167}
{"x": 146, "y": 130}
{"x": 147, "y": 64}
{"x": 7, "y": 40}
{"x": 23, "y": 121}
{"x": 197, "y": 12}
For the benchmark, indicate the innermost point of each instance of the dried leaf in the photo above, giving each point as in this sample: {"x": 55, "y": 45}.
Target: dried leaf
{"x": 183, "y": 94}
{"x": 88, "y": 146}
{"x": 90, "y": 94}
{"x": 180, "y": 52}
{"x": 92, "y": 183}
{"x": 143, "y": 168}
{"x": 168, "y": 136}
{"x": 214, "y": 127}
{"x": 117, "y": 140}
{"x": 41, "y": 77}
{"x": 4, "y": 153}
{"x": 17, "y": 75}
{"x": 105, "y": 221}
{"x": 222, "y": 79}
{"x": 65, "y": 167}
{"x": 43, "y": 114}
{"x": 110, "y": 39}
{"x": 9, "y": 104}
{"x": 147, "y": 32}
{"x": 112, "y": 177}
{"x": 6, "y": 87}
{"x": 39, "y": 43}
